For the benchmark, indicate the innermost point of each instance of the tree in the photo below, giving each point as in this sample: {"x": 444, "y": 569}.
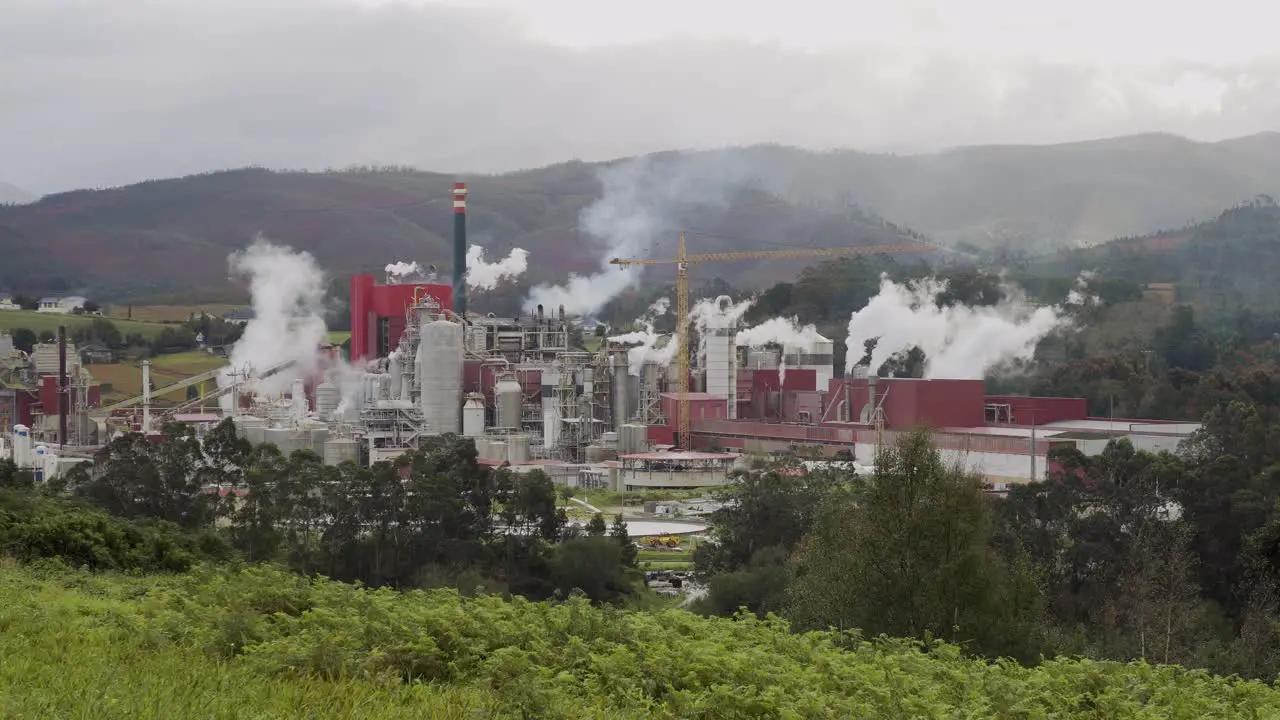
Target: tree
{"x": 630, "y": 553}
{"x": 596, "y": 526}
{"x": 910, "y": 555}
{"x": 24, "y": 340}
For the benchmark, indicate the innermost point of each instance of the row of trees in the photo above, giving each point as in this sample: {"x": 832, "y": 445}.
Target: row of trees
{"x": 1171, "y": 558}
{"x": 174, "y": 337}
{"x": 433, "y": 518}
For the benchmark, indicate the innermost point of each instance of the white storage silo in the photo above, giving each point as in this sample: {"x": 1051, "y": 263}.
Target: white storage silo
{"x": 39, "y": 459}
{"x": 22, "y": 446}
{"x": 340, "y": 450}
{"x": 482, "y": 448}
{"x": 473, "y": 416}
{"x": 440, "y": 370}
{"x": 497, "y": 451}
{"x": 550, "y": 411}
{"x": 298, "y": 406}
{"x": 282, "y": 438}
{"x": 518, "y": 448}
{"x": 722, "y": 355}
{"x": 508, "y": 396}
{"x": 327, "y": 399}
{"x": 395, "y": 369}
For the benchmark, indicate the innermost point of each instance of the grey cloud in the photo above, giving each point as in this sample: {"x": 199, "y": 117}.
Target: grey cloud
{"x": 100, "y": 93}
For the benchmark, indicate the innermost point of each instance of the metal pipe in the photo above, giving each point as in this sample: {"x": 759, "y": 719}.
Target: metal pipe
{"x": 146, "y": 397}
{"x": 62, "y": 385}
{"x": 460, "y": 248}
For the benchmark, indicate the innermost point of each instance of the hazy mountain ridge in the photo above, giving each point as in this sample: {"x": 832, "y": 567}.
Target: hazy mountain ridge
{"x": 173, "y": 236}
{"x": 12, "y": 194}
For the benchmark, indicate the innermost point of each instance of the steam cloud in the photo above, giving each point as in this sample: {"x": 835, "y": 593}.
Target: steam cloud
{"x": 646, "y": 340}
{"x": 640, "y": 206}
{"x": 786, "y": 332}
{"x": 482, "y": 275}
{"x": 403, "y": 269}
{"x": 288, "y": 289}
{"x": 958, "y": 341}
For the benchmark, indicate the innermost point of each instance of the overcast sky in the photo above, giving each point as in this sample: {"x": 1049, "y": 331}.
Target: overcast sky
{"x": 105, "y": 92}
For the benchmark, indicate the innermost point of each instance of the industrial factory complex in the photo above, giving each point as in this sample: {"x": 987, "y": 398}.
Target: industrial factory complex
{"x": 422, "y": 363}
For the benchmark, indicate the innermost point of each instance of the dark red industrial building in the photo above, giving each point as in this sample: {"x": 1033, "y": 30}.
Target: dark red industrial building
{"x": 378, "y": 312}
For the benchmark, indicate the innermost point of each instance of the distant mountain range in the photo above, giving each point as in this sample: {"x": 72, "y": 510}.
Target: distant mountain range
{"x": 172, "y": 236}
{"x": 13, "y": 194}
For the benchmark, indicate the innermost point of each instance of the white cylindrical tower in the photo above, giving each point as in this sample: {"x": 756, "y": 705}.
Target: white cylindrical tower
{"x": 440, "y": 370}
{"x": 722, "y": 356}
{"x": 39, "y": 458}
{"x": 508, "y": 396}
{"x": 395, "y": 368}
{"x": 298, "y": 399}
{"x": 146, "y": 397}
{"x": 473, "y": 416}
{"x": 327, "y": 398}
{"x": 22, "y": 446}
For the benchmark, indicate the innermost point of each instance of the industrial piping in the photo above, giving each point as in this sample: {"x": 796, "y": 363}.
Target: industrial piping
{"x": 62, "y": 385}
{"x": 460, "y": 249}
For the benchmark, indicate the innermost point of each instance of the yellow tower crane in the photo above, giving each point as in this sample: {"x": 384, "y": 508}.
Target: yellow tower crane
{"x": 683, "y": 260}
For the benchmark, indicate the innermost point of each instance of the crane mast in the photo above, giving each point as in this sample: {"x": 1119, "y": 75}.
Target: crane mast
{"x": 683, "y": 260}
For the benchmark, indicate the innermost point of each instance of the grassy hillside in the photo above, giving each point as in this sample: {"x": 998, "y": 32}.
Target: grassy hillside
{"x": 39, "y": 322}
{"x": 125, "y": 379}
{"x": 262, "y": 643}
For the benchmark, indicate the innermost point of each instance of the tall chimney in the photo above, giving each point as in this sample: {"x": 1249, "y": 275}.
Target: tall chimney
{"x": 62, "y": 385}
{"x": 460, "y": 249}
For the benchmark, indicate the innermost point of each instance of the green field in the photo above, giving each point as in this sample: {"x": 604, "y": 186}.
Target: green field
{"x": 38, "y": 322}
{"x": 165, "y": 313}
{"x": 337, "y": 337}
{"x": 261, "y": 643}
{"x": 125, "y": 378}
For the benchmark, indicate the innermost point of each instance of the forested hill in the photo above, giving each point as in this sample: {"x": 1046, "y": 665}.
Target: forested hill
{"x": 172, "y": 236}
{"x": 13, "y": 194}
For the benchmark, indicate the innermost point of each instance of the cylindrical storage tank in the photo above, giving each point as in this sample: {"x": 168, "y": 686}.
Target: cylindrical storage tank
{"x": 473, "y": 415}
{"x": 508, "y": 396}
{"x": 22, "y": 446}
{"x": 39, "y": 459}
{"x": 477, "y": 340}
{"x": 550, "y": 412}
{"x": 318, "y": 437}
{"x": 482, "y": 448}
{"x": 595, "y": 454}
{"x": 327, "y": 398}
{"x": 498, "y": 451}
{"x": 340, "y": 450}
{"x": 255, "y": 430}
{"x": 298, "y": 406}
{"x": 610, "y": 438}
{"x": 621, "y": 408}
{"x": 395, "y": 369}
{"x": 282, "y": 438}
{"x": 440, "y": 370}
{"x": 518, "y": 449}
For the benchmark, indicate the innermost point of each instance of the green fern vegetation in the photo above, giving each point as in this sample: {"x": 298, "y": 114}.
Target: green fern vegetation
{"x": 261, "y": 642}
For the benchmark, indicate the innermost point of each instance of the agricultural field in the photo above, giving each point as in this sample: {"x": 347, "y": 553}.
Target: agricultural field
{"x": 39, "y": 322}
{"x": 165, "y": 313}
{"x": 260, "y": 642}
{"x": 125, "y": 379}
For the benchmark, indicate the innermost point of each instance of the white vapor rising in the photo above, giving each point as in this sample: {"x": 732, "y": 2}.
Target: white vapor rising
{"x": 482, "y": 275}
{"x": 958, "y": 341}
{"x": 638, "y": 209}
{"x": 646, "y": 340}
{"x": 718, "y": 312}
{"x": 403, "y": 269}
{"x": 786, "y": 332}
{"x": 288, "y": 290}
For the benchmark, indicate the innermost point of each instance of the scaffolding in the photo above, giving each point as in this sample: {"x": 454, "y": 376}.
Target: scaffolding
{"x": 651, "y": 395}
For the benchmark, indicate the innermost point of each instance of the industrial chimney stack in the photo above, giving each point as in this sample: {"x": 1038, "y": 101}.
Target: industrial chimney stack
{"x": 62, "y": 385}
{"x": 460, "y": 249}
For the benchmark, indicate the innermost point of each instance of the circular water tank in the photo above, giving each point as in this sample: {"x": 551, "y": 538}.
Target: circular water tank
{"x": 518, "y": 449}
{"x": 482, "y": 448}
{"x": 340, "y": 450}
{"x": 282, "y": 438}
{"x": 498, "y": 450}
{"x": 327, "y": 398}
{"x": 509, "y": 396}
{"x": 595, "y": 454}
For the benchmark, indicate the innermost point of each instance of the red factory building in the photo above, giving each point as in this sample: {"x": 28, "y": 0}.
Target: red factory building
{"x": 1005, "y": 438}
{"x": 378, "y": 312}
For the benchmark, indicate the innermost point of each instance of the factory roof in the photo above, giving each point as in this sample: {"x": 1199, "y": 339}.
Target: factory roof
{"x": 678, "y": 456}
{"x": 695, "y": 396}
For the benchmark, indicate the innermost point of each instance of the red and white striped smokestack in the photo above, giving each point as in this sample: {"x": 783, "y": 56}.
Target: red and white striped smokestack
{"x": 460, "y": 249}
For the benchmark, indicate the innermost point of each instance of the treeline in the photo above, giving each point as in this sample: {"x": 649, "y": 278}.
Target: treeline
{"x": 434, "y": 518}
{"x": 173, "y": 338}
{"x": 1126, "y": 555}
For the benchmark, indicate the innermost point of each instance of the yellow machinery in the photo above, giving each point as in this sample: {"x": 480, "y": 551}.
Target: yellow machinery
{"x": 683, "y": 260}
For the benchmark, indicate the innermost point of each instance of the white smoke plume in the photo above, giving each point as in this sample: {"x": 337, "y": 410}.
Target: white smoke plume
{"x": 288, "y": 290}
{"x": 482, "y": 275}
{"x": 786, "y": 332}
{"x": 649, "y": 344}
{"x": 958, "y": 341}
{"x": 639, "y": 208}
{"x": 403, "y": 269}
{"x": 710, "y": 313}
{"x": 659, "y": 307}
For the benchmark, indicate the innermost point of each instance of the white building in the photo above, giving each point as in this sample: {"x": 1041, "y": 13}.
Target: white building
{"x": 7, "y": 303}
{"x": 62, "y": 305}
